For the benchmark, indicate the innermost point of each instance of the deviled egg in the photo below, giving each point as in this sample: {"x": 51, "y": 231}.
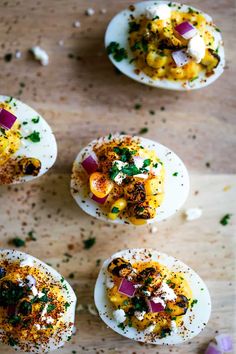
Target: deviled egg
{"x": 27, "y": 145}
{"x": 37, "y": 305}
{"x": 151, "y": 297}
{"x": 125, "y": 179}
{"x": 166, "y": 44}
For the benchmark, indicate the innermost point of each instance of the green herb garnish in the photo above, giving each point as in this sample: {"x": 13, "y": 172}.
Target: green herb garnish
{"x": 18, "y": 242}
{"x": 143, "y": 130}
{"x": 133, "y": 26}
{"x": 225, "y": 220}
{"x": 175, "y": 174}
{"x": 118, "y": 53}
{"x": 50, "y": 308}
{"x": 34, "y": 137}
{"x": 89, "y": 242}
{"x": 35, "y": 120}
{"x": 115, "y": 210}
{"x": 194, "y": 302}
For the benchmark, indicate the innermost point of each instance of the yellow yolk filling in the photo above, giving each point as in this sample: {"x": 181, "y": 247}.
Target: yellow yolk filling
{"x": 161, "y": 320}
{"x": 155, "y": 58}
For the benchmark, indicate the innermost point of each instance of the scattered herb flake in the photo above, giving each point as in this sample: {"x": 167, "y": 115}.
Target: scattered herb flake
{"x": 143, "y": 130}
{"x": 175, "y": 174}
{"x": 89, "y": 242}
{"x": 225, "y": 220}
{"x": 17, "y": 242}
{"x": 35, "y": 120}
{"x": 34, "y": 137}
{"x": 115, "y": 210}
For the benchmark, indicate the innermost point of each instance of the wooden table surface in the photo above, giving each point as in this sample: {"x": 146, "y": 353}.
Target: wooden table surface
{"x": 82, "y": 97}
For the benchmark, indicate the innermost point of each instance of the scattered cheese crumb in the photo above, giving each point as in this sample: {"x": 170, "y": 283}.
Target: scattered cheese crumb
{"x": 92, "y": 309}
{"x": 193, "y": 214}
{"x": 154, "y": 229}
{"x": 90, "y": 12}
{"x": 109, "y": 282}
{"x": 119, "y": 316}
{"x": 18, "y": 54}
{"x": 139, "y": 315}
{"x": 103, "y": 11}
{"x": 150, "y": 329}
{"x": 61, "y": 42}
{"x": 160, "y": 12}
{"x": 40, "y": 54}
{"x": 76, "y": 24}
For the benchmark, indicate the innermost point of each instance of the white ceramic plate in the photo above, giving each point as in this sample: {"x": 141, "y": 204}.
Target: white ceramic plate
{"x": 117, "y": 31}
{"x": 194, "y": 320}
{"x": 176, "y": 188}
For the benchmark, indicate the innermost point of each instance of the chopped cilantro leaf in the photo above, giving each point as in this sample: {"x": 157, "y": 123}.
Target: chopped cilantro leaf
{"x": 114, "y": 171}
{"x": 225, "y": 220}
{"x": 194, "y": 302}
{"x": 115, "y": 210}
{"x": 122, "y": 326}
{"x": 35, "y": 120}
{"x": 34, "y": 137}
{"x": 133, "y": 26}
{"x": 175, "y": 174}
{"x": 89, "y": 242}
{"x": 118, "y": 53}
{"x": 130, "y": 170}
{"x": 146, "y": 163}
{"x": 50, "y": 308}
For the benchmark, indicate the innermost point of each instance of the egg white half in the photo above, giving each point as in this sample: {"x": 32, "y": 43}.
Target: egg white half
{"x": 194, "y": 321}
{"x": 117, "y": 31}
{"x": 45, "y": 150}
{"x": 67, "y": 292}
{"x": 176, "y": 188}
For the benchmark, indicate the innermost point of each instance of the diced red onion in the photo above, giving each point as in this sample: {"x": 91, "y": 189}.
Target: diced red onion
{"x": 212, "y": 349}
{"x": 90, "y": 164}
{"x": 155, "y": 307}
{"x": 127, "y": 288}
{"x": 31, "y": 281}
{"x": 180, "y": 57}
{"x": 7, "y": 119}
{"x": 99, "y": 200}
{"x": 186, "y": 30}
{"x": 224, "y": 343}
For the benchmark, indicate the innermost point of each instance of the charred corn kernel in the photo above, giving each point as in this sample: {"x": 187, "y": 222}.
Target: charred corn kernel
{"x": 136, "y": 221}
{"x": 100, "y": 184}
{"x": 119, "y": 205}
{"x": 151, "y": 186}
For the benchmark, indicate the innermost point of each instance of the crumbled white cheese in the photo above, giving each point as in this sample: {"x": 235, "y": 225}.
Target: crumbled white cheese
{"x": 109, "y": 282}
{"x": 49, "y": 320}
{"x": 196, "y": 48}
{"x": 193, "y": 214}
{"x": 174, "y": 328}
{"x": 146, "y": 292}
{"x": 158, "y": 300}
{"x": 37, "y": 326}
{"x": 40, "y": 54}
{"x": 103, "y": 11}
{"x": 137, "y": 286}
{"x": 92, "y": 309}
{"x": 165, "y": 292}
{"x": 150, "y": 329}
{"x": 161, "y": 12}
{"x": 43, "y": 313}
{"x": 18, "y": 54}
{"x": 154, "y": 229}
{"x": 34, "y": 290}
{"x": 40, "y": 294}
{"x": 119, "y": 316}
{"x": 121, "y": 176}
{"x": 90, "y": 12}
{"x": 28, "y": 261}
{"x": 139, "y": 315}
{"x": 61, "y": 42}
{"x": 76, "y": 24}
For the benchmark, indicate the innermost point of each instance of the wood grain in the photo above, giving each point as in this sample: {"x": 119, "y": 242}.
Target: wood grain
{"x": 83, "y": 97}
